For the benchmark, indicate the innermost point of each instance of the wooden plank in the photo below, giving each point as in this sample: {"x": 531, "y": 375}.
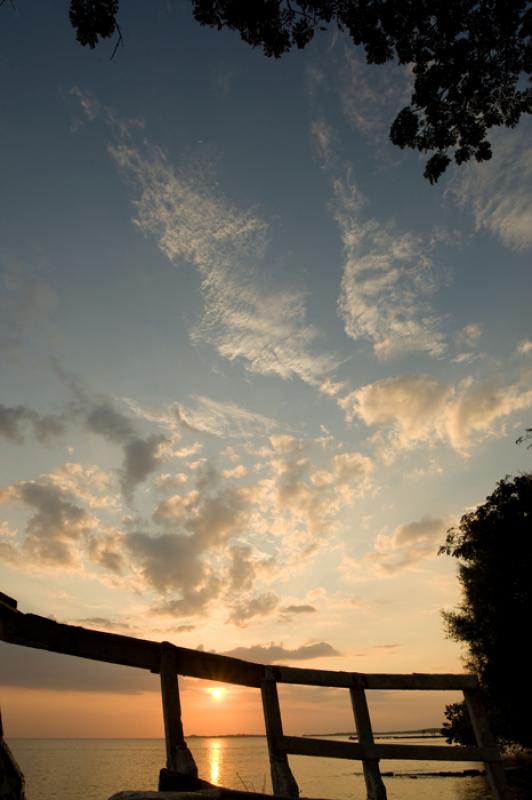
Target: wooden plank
{"x": 8, "y": 601}
{"x": 42, "y": 633}
{"x": 178, "y": 756}
{"x": 283, "y": 781}
{"x": 329, "y": 748}
{"x": 346, "y": 680}
{"x": 31, "y": 630}
{"x": 485, "y": 739}
{"x": 375, "y": 787}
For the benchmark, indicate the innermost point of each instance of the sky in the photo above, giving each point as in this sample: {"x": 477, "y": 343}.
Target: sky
{"x": 253, "y": 367}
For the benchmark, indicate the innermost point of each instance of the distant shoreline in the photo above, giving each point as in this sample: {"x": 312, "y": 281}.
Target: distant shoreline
{"x": 427, "y": 733}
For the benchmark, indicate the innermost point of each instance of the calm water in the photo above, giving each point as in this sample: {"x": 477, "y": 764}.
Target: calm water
{"x": 68, "y": 769}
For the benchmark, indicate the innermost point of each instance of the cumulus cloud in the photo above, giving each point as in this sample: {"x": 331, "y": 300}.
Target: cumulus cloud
{"x": 415, "y": 409}
{"x": 175, "y": 562}
{"x": 54, "y": 529}
{"x": 90, "y": 484}
{"x": 406, "y": 546}
{"x": 263, "y": 328}
{"x": 497, "y": 192}
{"x": 273, "y": 653}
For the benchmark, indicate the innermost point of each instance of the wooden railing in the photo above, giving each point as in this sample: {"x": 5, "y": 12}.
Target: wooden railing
{"x": 171, "y": 661}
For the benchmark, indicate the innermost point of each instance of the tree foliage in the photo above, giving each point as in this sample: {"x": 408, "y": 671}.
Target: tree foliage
{"x": 493, "y": 545}
{"x": 469, "y": 58}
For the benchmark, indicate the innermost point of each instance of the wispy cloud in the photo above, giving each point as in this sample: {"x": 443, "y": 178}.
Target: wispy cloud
{"x": 15, "y": 421}
{"x": 387, "y": 279}
{"x": 498, "y": 192}
{"x": 263, "y": 328}
{"x": 371, "y": 98}
{"x": 388, "y": 275}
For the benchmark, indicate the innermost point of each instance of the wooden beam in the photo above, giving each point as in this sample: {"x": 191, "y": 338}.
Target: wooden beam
{"x": 42, "y": 633}
{"x": 485, "y": 739}
{"x": 347, "y": 680}
{"x": 178, "y": 756}
{"x": 375, "y": 787}
{"x": 31, "y": 630}
{"x": 283, "y": 781}
{"x": 329, "y": 748}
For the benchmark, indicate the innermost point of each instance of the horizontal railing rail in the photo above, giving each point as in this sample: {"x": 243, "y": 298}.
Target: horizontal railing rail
{"x": 170, "y": 661}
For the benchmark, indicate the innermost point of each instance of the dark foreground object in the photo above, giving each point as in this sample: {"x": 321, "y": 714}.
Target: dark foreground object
{"x": 11, "y": 778}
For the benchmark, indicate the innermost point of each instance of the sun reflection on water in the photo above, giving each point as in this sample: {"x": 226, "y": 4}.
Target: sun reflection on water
{"x": 215, "y": 758}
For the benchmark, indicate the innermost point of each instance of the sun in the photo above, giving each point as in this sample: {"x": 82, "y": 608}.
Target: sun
{"x": 217, "y": 693}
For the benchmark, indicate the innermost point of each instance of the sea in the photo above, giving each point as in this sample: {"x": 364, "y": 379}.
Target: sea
{"x": 94, "y": 769}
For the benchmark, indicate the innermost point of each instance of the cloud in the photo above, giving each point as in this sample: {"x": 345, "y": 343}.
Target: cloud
{"x": 54, "y": 529}
{"x": 141, "y": 454}
{"x": 371, "y": 99}
{"x": 15, "y": 421}
{"x": 469, "y": 335}
{"x": 406, "y": 546}
{"x": 524, "y": 347}
{"x": 387, "y": 276}
{"x": 416, "y": 409}
{"x": 263, "y": 328}
{"x": 242, "y": 569}
{"x": 299, "y": 609}
{"x": 287, "y": 613}
{"x": 261, "y": 605}
{"x": 272, "y": 653}
{"x": 142, "y": 457}
{"x": 176, "y": 561}
{"x": 224, "y": 420}
{"x": 498, "y": 192}
{"x": 167, "y": 561}
{"x": 106, "y": 549}
{"x": 90, "y": 484}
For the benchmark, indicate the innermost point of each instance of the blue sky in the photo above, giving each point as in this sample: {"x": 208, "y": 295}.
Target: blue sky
{"x": 253, "y": 365}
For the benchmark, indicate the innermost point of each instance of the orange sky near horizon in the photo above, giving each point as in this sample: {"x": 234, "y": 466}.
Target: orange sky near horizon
{"x": 36, "y": 713}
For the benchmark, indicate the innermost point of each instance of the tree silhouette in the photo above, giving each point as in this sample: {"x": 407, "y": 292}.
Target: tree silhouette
{"x": 469, "y": 58}
{"x": 493, "y": 545}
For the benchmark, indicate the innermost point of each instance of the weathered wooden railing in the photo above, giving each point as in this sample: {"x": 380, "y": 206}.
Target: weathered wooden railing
{"x": 170, "y": 661}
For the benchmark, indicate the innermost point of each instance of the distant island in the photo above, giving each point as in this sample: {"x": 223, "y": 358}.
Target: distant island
{"x": 428, "y": 733}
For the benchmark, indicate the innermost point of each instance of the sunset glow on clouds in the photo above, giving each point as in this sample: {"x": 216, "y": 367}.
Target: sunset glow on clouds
{"x": 253, "y": 365}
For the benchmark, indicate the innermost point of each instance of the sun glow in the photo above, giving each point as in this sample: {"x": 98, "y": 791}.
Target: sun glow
{"x": 217, "y": 693}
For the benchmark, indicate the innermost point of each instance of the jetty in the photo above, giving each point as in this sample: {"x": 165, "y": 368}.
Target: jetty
{"x": 179, "y": 779}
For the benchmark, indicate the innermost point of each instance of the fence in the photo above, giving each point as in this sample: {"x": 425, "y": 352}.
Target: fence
{"x": 170, "y": 661}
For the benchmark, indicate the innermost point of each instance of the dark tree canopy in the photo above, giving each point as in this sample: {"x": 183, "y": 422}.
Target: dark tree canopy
{"x": 470, "y": 58}
{"x": 493, "y": 545}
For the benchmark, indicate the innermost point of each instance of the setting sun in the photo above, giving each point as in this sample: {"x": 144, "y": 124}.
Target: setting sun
{"x": 217, "y": 693}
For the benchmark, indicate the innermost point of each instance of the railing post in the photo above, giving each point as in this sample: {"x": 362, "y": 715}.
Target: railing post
{"x": 11, "y": 778}
{"x": 375, "y": 787}
{"x": 479, "y": 721}
{"x": 283, "y": 782}
{"x": 178, "y": 756}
